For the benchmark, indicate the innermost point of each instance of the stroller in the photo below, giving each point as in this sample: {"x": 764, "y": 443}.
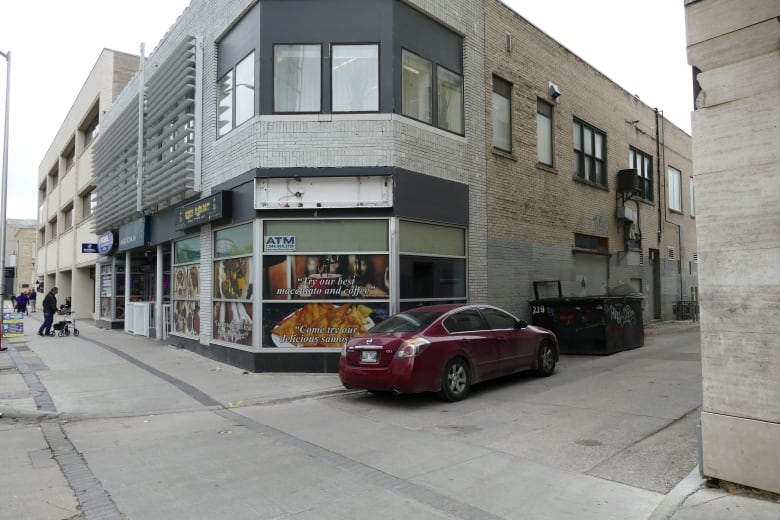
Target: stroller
{"x": 66, "y": 324}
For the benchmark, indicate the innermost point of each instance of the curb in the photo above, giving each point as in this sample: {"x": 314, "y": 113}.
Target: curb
{"x": 674, "y": 500}
{"x": 13, "y": 413}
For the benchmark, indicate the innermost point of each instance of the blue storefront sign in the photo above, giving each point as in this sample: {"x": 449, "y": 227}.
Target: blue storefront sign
{"x": 89, "y": 248}
{"x": 105, "y": 243}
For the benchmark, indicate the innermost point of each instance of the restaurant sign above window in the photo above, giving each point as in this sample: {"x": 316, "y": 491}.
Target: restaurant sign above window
{"x": 213, "y": 207}
{"x": 133, "y": 234}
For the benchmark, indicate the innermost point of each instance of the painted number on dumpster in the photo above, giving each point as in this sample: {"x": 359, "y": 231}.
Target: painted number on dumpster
{"x": 537, "y": 309}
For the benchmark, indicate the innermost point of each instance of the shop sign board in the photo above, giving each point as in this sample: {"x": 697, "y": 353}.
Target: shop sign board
{"x": 89, "y": 247}
{"x": 279, "y": 243}
{"x": 105, "y": 243}
{"x": 133, "y": 234}
{"x": 13, "y": 324}
{"x": 213, "y": 207}
{"x": 324, "y": 192}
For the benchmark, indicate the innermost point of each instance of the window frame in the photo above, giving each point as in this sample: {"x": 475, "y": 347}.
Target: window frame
{"x": 377, "y": 46}
{"x": 273, "y": 78}
{"x": 230, "y": 123}
{"x": 233, "y": 97}
{"x": 674, "y": 189}
{"x": 645, "y": 174}
{"x": 580, "y": 156}
{"x": 462, "y": 124}
{"x": 248, "y": 59}
{"x": 549, "y": 134}
{"x": 88, "y": 202}
{"x": 502, "y": 83}
{"x": 404, "y": 112}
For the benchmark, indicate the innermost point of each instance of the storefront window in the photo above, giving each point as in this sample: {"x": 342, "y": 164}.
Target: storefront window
{"x": 106, "y": 291}
{"x": 232, "y": 290}
{"x": 186, "y": 287}
{"x": 339, "y": 289}
{"x": 432, "y": 264}
{"x": 427, "y": 277}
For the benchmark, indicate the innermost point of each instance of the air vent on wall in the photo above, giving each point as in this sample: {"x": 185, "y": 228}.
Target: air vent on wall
{"x": 695, "y": 257}
{"x": 670, "y": 253}
{"x": 508, "y": 41}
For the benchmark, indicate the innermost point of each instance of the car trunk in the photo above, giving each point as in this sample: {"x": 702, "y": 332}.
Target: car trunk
{"x": 374, "y": 351}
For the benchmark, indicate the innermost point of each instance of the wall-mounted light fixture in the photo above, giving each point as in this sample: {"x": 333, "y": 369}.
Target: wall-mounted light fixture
{"x": 555, "y": 92}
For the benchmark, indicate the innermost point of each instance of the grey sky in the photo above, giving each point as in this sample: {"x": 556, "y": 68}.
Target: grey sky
{"x": 640, "y": 44}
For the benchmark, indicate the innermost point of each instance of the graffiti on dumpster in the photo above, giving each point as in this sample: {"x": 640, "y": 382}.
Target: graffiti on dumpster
{"x": 624, "y": 316}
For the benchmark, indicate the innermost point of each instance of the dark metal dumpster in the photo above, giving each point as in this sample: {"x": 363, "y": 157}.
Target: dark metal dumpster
{"x": 593, "y": 324}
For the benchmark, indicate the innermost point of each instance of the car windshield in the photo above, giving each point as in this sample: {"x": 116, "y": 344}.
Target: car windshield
{"x": 406, "y": 322}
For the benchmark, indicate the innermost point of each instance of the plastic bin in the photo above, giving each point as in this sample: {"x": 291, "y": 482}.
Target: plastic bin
{"x": 592, "y": 325}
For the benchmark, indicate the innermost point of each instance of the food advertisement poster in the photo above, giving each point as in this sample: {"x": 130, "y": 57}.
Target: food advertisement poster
{"x": 186, "y": 282}
{"x": 233, "y": 279}
{"x": 318, "y": 324}
{"x": 233, "y": 322}
{"x": 186, "y": 317}
{"x": 186, "y": 299}
{"x": 330, "y": 277}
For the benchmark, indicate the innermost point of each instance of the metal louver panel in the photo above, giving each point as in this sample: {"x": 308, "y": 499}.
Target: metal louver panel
{"x": 169, "y": 129}
{"x": 114, "y": 163}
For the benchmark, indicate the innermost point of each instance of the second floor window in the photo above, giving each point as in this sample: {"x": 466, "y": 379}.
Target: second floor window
{"x": 589, "y": 153}
{"x": 502, "y": 114}
{"x": 417, "y": 86}
{"x": 67, "y": 219}
{"x": 53, "y": 229}
{"x": 544, "y": 136}
{"x": 355, "y": 78}
{"x": 297, "y": 73}
{"x": 450, "y": 100}
{"x": 675, "y": 189}
{"x": 236, "y": 95}
{"x": 644, "y": 167}
{"x": 88, "y": 203}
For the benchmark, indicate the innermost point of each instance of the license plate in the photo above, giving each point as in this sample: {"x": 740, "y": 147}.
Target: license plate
{"x": 369, "y": 356}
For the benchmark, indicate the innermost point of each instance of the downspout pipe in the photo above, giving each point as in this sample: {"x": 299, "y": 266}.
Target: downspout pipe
{"x": 659, "y": 121}
{"x": 658, "y": 174}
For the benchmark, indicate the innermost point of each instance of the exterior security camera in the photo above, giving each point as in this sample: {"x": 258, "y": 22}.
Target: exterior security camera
{"x": 555, "y": 92}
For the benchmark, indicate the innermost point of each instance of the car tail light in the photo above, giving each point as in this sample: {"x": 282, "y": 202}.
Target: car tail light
{"x": 412, "y": 348}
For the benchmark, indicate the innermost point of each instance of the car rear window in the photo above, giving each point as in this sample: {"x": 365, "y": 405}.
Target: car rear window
{"x": 406, "y": 322}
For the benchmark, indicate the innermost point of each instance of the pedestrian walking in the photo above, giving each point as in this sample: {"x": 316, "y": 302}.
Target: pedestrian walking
{"x": 32, "y": 297}
{"x": 49, "y": 310}
{"x": 21, "y": 303}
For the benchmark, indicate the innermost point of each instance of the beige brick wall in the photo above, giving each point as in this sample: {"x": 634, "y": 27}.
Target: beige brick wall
{"x": 542, "y": 206}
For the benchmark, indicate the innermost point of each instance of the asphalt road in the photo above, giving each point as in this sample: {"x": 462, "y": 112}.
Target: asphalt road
{"x": 140, "y": 430}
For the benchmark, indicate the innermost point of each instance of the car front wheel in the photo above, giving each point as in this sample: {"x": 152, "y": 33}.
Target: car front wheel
{"x": 546, "y": 361}
{"x": 455, "y": 380}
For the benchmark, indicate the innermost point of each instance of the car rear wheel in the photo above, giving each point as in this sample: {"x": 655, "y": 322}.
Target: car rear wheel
{"x": 455, "y": 380}
{"x": 546, "y": 359}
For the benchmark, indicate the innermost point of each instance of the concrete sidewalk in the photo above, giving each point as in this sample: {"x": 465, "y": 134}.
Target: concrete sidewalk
{"x": 33, "y": 366}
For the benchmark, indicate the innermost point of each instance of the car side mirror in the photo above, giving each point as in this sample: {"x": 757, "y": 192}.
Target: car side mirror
{"x": 521, "y": 324}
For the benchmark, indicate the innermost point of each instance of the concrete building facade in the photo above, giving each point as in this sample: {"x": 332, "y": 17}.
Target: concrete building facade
{"x": 735, "y": 52}
{"x": 66, "y": 187}
{"x": 285, "y": 181}
{"x": 21, "y": 251}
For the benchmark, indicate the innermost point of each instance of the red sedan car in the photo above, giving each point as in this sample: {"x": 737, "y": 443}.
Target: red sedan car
{"x": 445, "y": 349}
